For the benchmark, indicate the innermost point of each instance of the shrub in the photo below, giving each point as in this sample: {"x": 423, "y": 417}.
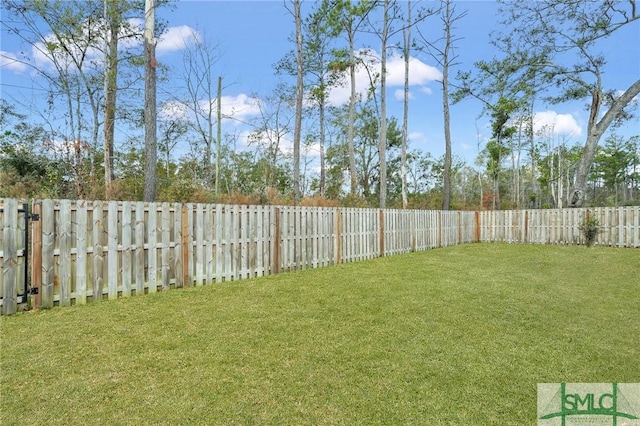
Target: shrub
{"x": 590, "y": 228}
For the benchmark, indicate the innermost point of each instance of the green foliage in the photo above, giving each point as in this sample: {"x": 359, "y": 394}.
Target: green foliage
{"x": 590, "y": 228}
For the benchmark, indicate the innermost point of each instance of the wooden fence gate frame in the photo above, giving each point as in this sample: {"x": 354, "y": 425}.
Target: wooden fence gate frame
{"x": 16, "y": 267}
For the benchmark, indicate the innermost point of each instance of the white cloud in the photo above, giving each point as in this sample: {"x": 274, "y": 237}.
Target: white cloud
{"x": 399, "y": 95}
{"x": 556, "y": 123}
{"x": 420, "y": 74}
{"x": 10, "y": 61}
{"x": 176, "y": 39}
{"x": 416, "y": 137}
{"x": 239, "y": 107}
{"x": 426, "y": 90}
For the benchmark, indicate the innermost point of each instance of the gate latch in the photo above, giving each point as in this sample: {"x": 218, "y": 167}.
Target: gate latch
{"x": 34, "y": 217}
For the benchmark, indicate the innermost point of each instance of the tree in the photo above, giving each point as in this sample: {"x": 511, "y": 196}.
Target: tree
{"x": 544, "y": 32}
{"x": 612, "y": 164}
{"x": 349, "y": 17}
{"x": 200, "y": 97}
{"x": 271, "y": 129}
{"x": 150, "y": 127}
{"x": 65, "y": 34}
{"x": 25, "y": 171}
{"x": 297, "y": 132}
{"x": 382, "y": 140}
{"x": 317, "y": 50}
{"x": 113, "y": 18}
{"x": 406, "y": 51}
{"x": 442, "y": 52}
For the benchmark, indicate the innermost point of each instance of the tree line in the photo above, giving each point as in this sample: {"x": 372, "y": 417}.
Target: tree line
{"x": 303, "y": 148}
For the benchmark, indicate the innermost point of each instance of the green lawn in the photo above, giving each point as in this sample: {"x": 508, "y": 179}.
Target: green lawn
{"x": 458, "y": 335}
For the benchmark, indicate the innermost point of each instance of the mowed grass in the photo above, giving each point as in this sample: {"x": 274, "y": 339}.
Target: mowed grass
{"x": 458, "y": 335}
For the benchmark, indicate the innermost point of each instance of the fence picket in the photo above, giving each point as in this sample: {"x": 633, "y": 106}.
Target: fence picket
{"x": 152, "y": 244}
{"x": 165, "y": 252}
{"x": 112, "y": 250}
{"x": 9, "y": 257}
{"x": 64, "y": 257}
{"x": 139, "y": 253}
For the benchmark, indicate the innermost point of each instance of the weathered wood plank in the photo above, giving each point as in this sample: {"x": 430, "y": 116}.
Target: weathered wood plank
{"x": 199, "y": 245}
{"x": 63, "y": 235}
{"x": 81, "y": 252}
{"x": 48, "y": 245}
{"x": 10, "y": 257}
{"x": 98, "y": 254}
{"x": 189, "y": 274}
{"x": 209, "y": 269}
{"x": 228, "y": 245}
{"x": 165, "y": 251}
{"x": 36, "y": 253}
{"x": 112, "y": 247}
{"x": 125, "y": 254}
{"x": 152, "y": 248}
{"x": 243, "y": 245}
{"x": 139, "y": 253}
{"x": 219, "y": 242}
{"x": 180, "y": 212}
{"x": 261, "y": 240}
{"x": 252, "y": 243}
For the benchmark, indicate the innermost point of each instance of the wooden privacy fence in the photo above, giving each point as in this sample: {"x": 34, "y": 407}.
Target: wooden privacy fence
{"x": 64, "y": 252}
{"x": 620, "y": 227}
{"x": 84, "y": 251}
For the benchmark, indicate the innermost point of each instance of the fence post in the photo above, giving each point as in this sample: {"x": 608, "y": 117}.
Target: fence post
{"x": 381, "y": 231}
{"x": 477, "y": 227}
{"x": 276, "y": 242}
{"x": 439, "y": 228}
{"x": 526, "y": 226}
{"x": 186, "y": 282}
{"x": 338, "y": 242}
{"x": 36, "y": 254}
{"x": 413, "y": 229}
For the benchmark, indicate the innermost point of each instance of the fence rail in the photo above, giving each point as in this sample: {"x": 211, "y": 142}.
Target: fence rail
{"x": 85, "y": 251}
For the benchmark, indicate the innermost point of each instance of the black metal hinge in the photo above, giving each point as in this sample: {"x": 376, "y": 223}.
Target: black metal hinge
{"x": 34, "y": 217}
{"x": 34, "y": 290}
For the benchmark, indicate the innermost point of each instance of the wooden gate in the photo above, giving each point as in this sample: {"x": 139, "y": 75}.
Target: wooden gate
{"x": 14, "y": 254}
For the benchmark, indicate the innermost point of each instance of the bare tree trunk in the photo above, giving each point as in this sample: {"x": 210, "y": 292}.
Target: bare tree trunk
{"x": 299, "y": 94}
{"x": 219, "y": 135}
{"x": 595, "y": 131}
{"x": 405, "y": 116}
{"x": 446, "y": 200}
{"x": 323, "y": 166}
{"x": 352, "y": 115}
{"x": 534, "y": 185}
{"x": 150, "y": 142}
{"x": 110, "y": 90}
{"x": 382, "y": 143}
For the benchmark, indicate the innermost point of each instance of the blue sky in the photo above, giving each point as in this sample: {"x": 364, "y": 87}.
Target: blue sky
{"x": 253, "y": 35}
